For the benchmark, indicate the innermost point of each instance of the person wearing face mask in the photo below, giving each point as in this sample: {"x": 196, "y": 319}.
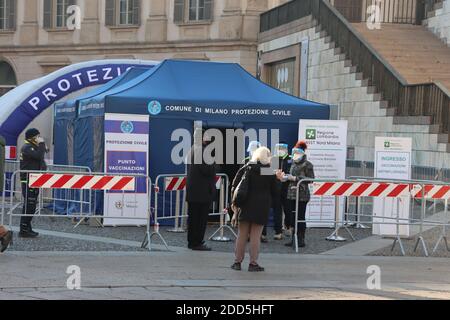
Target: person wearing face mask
{"x": 32, "y": 159}
{"x": 281, "y": 160}
{"x": 301, "y": 168}
{"x": 251, "y": 215}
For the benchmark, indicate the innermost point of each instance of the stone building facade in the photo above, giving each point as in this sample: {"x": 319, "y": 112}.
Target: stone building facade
{"x": 40, "y": 36}
{"x": 35, "y": 38}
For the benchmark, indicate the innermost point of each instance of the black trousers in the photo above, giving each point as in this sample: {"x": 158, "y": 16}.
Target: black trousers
{"x": 30, "y": 200}
{"x": 277, "y": 206}
{"x": 301, "y": 226}
{"x": 197, "y": 221}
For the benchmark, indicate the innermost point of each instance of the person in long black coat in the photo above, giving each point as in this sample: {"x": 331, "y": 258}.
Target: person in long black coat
{"x": 254, "y": 213}
{"x": 200, "y": 192}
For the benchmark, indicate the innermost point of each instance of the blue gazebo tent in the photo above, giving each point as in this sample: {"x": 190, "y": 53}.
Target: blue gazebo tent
{"x": 223, "y": 95}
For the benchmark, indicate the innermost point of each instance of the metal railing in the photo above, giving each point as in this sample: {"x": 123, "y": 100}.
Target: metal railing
{"x": 91, "y": 186}
{"x": 427, "y": 99}
{"x": 410, "y": 185}
{"x": 170, "y": 204}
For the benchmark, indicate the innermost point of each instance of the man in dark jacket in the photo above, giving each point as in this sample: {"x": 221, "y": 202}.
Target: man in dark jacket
{"x": 200, "y": 191}
{"x": 31, "y": 159}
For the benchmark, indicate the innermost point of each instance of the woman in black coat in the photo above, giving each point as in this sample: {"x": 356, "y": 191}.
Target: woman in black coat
{"x": 254, "y": 213}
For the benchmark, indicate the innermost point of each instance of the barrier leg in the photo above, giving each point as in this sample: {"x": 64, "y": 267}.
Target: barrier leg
{"x": 358, "y": 224}
{"x": 294, "y": 235}
{"x": 335, "y": 235}
{"x": 177, "y": 227}
{"x": 148, "y": 236}
{"x": 223, "y": 223}
{"x": 420, "y": 238}
{"x": 443, "y": 235}
{"x": 397, "y": 238}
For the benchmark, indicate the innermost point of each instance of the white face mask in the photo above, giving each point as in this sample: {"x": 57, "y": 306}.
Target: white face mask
{"x": 281, "y": 152}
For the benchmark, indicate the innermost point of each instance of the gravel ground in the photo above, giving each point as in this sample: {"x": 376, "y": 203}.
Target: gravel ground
{"x": 430, "y": 236}
{"x": 315, "y": 238}
{"x": 50, "y": 243}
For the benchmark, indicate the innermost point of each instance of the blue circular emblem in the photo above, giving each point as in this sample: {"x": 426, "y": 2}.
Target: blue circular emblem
{"x": 127, "y": 127}
{"x": 154, "y": 107}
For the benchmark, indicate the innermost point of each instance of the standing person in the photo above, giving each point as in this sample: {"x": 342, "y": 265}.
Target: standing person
{"x": 254, "y": 213}
{"x": 32, "y": 159}
{"x": 281, "y": 160}
{"x": 252, "y": 146}
{"x": 301, "y": 168}
{"x": 6, "y": 236}
{"x": 200, "y": 191}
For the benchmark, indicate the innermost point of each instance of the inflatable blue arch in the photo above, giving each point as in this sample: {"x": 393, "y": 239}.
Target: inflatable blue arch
{"x": 24, "y": 103}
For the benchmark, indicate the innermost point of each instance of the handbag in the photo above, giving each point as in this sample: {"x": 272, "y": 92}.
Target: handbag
{"x": 240, "y": 195}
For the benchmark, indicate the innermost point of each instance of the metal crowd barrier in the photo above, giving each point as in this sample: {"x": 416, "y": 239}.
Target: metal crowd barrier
{"x": 170, "y": 203}
{"x": 91, "y": 187}
{"x": 422, "y": 190}
{"x": 47, "y": 196}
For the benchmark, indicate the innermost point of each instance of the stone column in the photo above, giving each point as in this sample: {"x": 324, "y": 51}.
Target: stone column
{"x": 90, "y": 25}
{"x": 231, "y": 20}
{"x": 156, "y": 23}
{"x": 251, "y": 18}
{"x": 29, "y": 30}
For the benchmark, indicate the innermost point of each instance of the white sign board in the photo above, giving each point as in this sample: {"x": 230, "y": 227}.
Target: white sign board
{"x": 327, "y": 151}
{"x": 392, "y": 161}
{"x": 126, "y": 152}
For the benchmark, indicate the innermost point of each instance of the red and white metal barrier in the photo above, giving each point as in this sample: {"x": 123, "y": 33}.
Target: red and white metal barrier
{"x": 89, "y": 188}
{"x": 381, "y": 190}
{"x": 362, "y": 187}
{"x": 431, "y": 191}
{"x": 179, "y": 183}
{"x": 83, "y": 182}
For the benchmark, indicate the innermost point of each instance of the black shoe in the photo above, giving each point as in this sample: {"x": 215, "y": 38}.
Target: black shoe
{"x": 6, "y": 241}
{"x": 201, "y": 247}
{"x": 236, "y": 266}
{"x": 28, "y": 234}
{"x": 263, "y": 239}
{"x": 255, "y": 268}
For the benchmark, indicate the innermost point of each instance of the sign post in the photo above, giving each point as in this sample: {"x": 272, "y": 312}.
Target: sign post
{"x": 327, "y": 151}
{"x": 126, "y": 152}
{"x": 392, "y": 161}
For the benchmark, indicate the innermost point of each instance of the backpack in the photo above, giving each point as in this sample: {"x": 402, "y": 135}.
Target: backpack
{"x": 240, "y": 195}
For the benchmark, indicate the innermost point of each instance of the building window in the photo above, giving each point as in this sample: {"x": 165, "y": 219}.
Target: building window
{"x": 7, "y": 78}
{"x": 282, "y": 76}
{"x": 198, "y": 11}
{"x": 7, "y": 15}
{"x": 55, "y": 13}
{"x": 122, "y": 12}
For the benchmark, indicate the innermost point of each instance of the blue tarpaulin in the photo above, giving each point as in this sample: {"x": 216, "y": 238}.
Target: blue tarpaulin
{"x": 86, "y": 147}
